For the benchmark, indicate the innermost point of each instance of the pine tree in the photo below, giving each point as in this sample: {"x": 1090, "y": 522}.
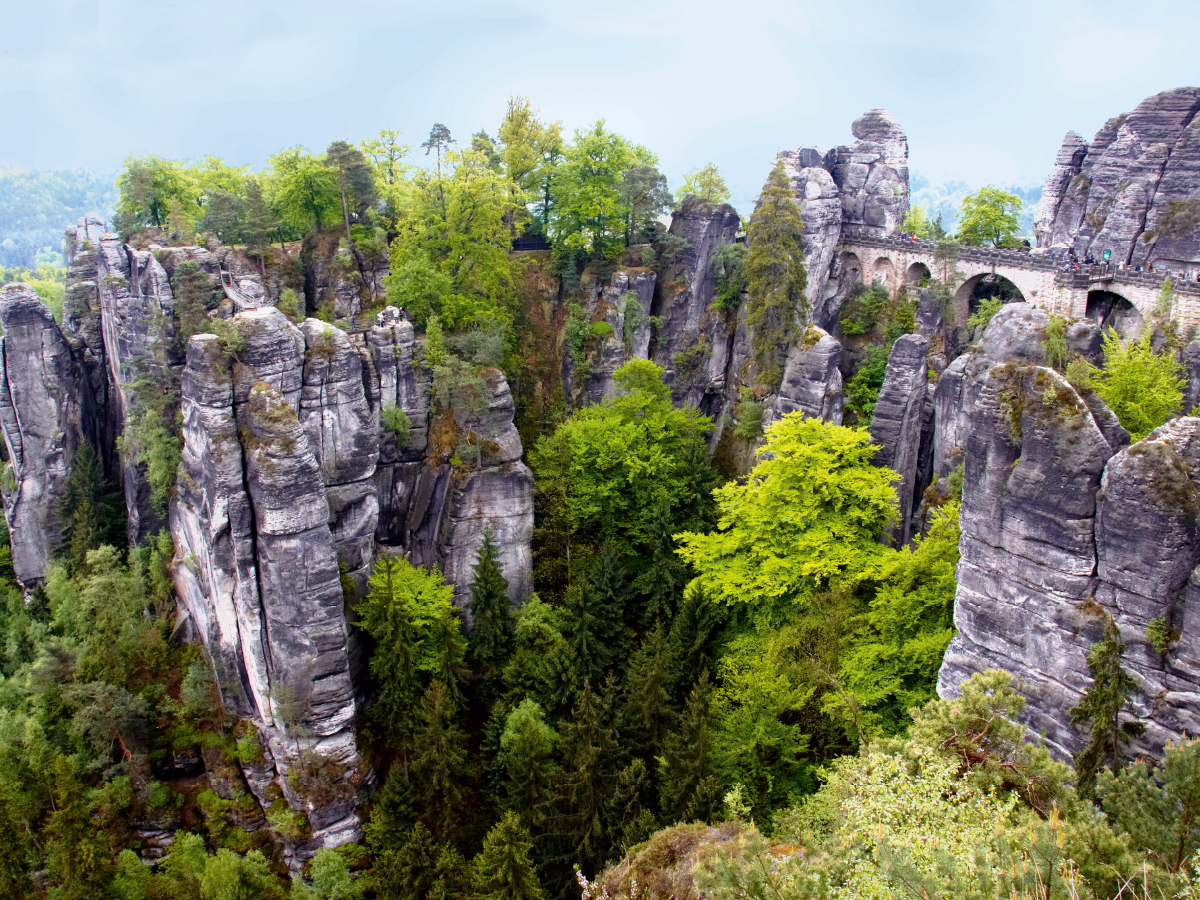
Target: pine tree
{"x": 90, "y": 511}
{"x": 689, "y": 790}
{"x": 596, "y": 611}
{"x": 490, "y": 641}
{"x": 661, "y": 585}
{"x": 1100, "y": 708}
{"x": 406, "y": 870}
{"x": 504, "y": 868}
{"x": 775, "y": 274}
{"x": 632, "y": 819}
{"x": 439, "y": 765}
{"x": 691, "y": 641}
{"x": 647, "y": 713}
{"x": 259, "y": 224}
{"x": 581, "y": 830}
{"x": 526, "y": 756}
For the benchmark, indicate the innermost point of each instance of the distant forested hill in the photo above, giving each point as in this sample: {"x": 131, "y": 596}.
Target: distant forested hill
{"x": 945, "y": 198}
{"x": 36, "y": 206}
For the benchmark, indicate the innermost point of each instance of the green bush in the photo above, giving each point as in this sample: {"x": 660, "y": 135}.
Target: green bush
{"x": 397, "y": 422}
{"x": 862, "y": 390}
{"x": 1143, "y": 388}
{"x": 983, "y": 315}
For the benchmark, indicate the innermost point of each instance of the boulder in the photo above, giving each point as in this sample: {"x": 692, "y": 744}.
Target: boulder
{"x": 812, "y": 381}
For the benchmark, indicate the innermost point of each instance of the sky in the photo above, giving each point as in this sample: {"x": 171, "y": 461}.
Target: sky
{"x": 985, "y": 90}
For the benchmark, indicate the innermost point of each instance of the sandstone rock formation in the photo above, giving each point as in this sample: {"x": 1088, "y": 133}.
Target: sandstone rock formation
{"x": 812, "y": 381}
{"x": 861, "y": 188}
{"x": 623, "y": 304}
{"x": 1134, "y": 191}
{"x": 897, "y": 425}
{"x": 45, "y": 412}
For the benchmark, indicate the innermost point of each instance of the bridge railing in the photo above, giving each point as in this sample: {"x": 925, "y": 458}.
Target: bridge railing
{"x": 1083, "y": 277}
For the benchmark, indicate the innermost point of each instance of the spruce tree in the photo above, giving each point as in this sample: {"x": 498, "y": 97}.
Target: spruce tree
{"x": 647, "y": 713}
{"x": 1100, "y": 710}
{"x": 775, "y": 274}
{"x": 439, "y": 765}
{"x": 504, "y": 868}
{"x": 527, "y": 758}
{"x": 629, "y": 806}
{"x": 90, "y": 510}
{"x": 693, "y": 632}
{"x": 490, "y": 641}
{"x": 406, "y": 870}
{"x": 597, "y": 639}
{"x": 689, "y": 790}
{"x": 581, "y": 829}
{"x": 660, "y": 586}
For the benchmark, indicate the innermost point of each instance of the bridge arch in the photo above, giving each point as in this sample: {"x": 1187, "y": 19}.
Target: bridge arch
{"x": 917, "y": 273}
{"x": 1111, "y": 309}
{"x": 884, "y": 271}
{"x": 983, "y": 286}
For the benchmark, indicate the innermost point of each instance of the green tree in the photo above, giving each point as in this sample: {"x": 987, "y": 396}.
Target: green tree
{"x": 194, "y": 297}
{"x": 644, "y": 191}
{"x": 331, "y": 879}
{"x": 646, "y": 710}
{"x": 989, "y": 216}
{"x": 894, "y": 661}
{"x": 91, "y": 511}
{"x": 809, "y": 515}
{"x": 439, "y": 139}
{"x": 1143, "y": 388}
{"x": 775, "y": 274}
{"x": 526, "y": 757}
{"x": 490, "y": 641}
{"x": 705, "y": 183}
{"x": 401, "y": 611}
{"x": 355, "y": 179}
{"x": 303, "y": 191}
{"x": 147, "y": 185}
{"x": 260, "y": 223}
{"x": 1100, "y": 709}
{"x": 690, "y": 790}
{"x": 504, "y": 868}
{"x": 439, "y": 764}
{"x": 531, "y": 151}
{"x": 588, "y": 216}
{"x": 618, "y": 463}
{"x": 1158, "y": 806}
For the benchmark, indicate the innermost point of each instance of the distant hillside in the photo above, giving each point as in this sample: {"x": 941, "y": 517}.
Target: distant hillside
{"x": 36, "y": 206}
{"x": 944, "y": 200}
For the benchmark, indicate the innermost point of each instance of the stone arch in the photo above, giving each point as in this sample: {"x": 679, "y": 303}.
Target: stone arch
{"x": 972, "y": 291}
{"x": 884, "y": 271}
{"x": 1110, "y": 308}
{"x": 917, "y": 273}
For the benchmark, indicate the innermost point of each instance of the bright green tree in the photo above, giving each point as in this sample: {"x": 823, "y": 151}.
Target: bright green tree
{"x": 527, "y": 759}
{"x": 355, "y": 179}
{"x": 989, "y": 217}
{"x": 531, "y": 151}
{"x": 228, "y": 876}
{"x": 1142, "y": 387}
{"x": 450, "y": 256}
{"x": 810, "y": 514}
{"x": 619, "y": 462}
{"x": 504, "y": 868}
{"x": 401, "y": 611}
{"x": 1101, "y": 707}
{"x": 775, "y": 273}
{"x": 893, "y": 664}
{"x": 147, "y": 185}
{"x": 588, "y": 217}
{"x": 705, "y": 183}
{"x": 302, "y": 190}
{"x": 331, "y": 879}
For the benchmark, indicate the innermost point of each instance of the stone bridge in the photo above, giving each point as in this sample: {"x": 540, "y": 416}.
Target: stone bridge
{"x": 1098, "y": 292}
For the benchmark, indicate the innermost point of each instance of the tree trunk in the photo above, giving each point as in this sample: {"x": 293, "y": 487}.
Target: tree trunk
{"x": 346, "y": 216}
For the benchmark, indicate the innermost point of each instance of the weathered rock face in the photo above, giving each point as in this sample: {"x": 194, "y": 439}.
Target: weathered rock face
{"x": 1016, "y": 332}
{"x": 1028, "y": 544}
{"x": 898, "y": 422}
{"x": 693, "y": 345}
{"x": 258, "y": 568}
{"x": 349, "y": 280}
{"x": 812, "y": 381}
{"x": 1134, "y": 191}
{"x": 863, "y": 187}
{"x": 1072, "y": 532}
{"x": 623, "y": 304}
{"x": 45, "y": 412}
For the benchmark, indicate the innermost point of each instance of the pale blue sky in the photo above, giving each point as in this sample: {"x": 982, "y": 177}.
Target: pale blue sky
{"x": 985, "y": 90}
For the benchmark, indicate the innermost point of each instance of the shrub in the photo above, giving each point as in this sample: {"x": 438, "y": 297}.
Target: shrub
{"x": 1143, "y": 388}
{"x": 862, "y": 390}
{"x": 289, "y": 305}
{"x": 397, "y": 422}
{"x": 983, "y": 314}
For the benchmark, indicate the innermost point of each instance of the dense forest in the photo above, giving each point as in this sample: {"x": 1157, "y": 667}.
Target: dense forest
{"x": 34, "y": 207}
{"x": 723, "y": 681}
